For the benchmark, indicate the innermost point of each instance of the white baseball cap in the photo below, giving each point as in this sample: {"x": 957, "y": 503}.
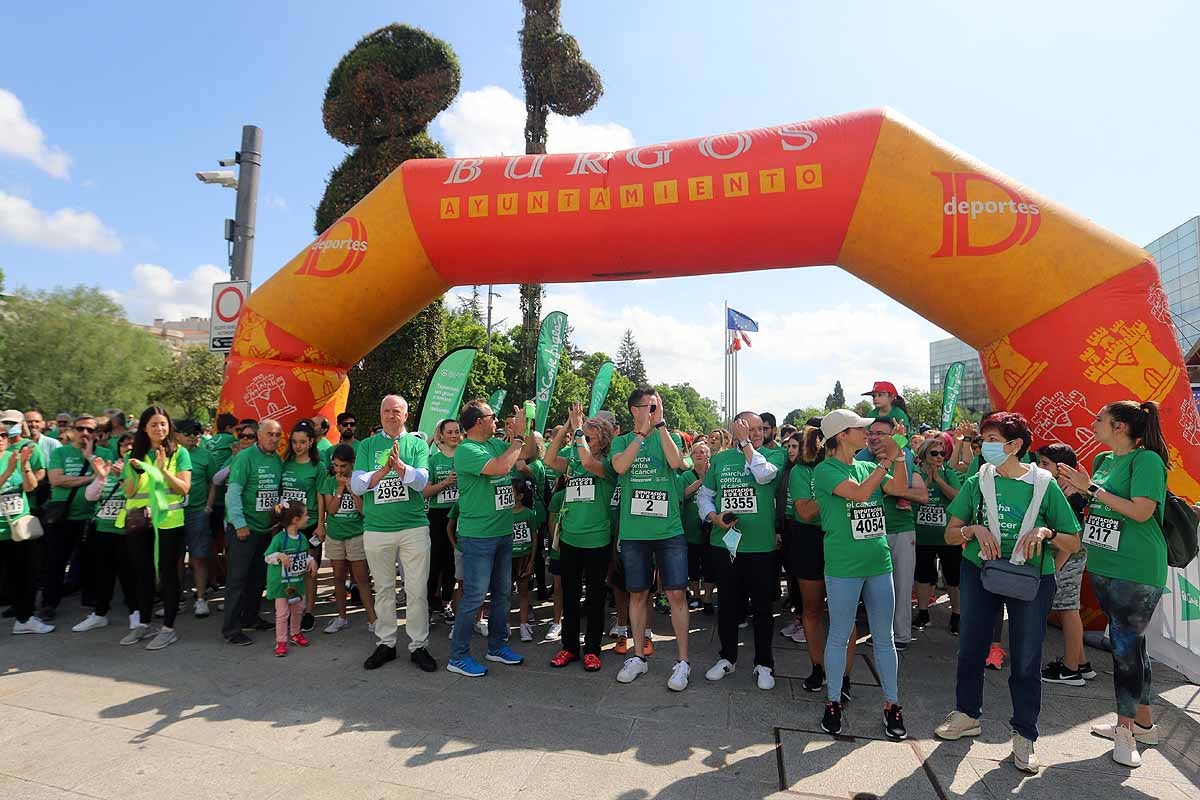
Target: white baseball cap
{"x": 843, "y": 419}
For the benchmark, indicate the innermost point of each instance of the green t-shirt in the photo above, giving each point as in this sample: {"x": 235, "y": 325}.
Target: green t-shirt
{"x": 323, "y": 448}
{"x": 1013, "y": 497}
{"x": 896, "y": 415}
{"x": 650, "y": 492}
{"x": 1117, "y": 546}
{"x": 111, "y": 503}
{"x": 287, "y": 580}
{"x": 485, "y": 502}
{"x": 347, "y": 521}
{"x": 52, "y": 433}
{"x": 799, "y": 487}
{"x": 220, "y": 447}
{"x": 556, "y": 504}
{"x": 390, "y": 505}
{"x": 524, "y": 526}
{"x": 298, "y": 483}
{"x": 693, "y": 528}
{"x": 202, "y": 475}
{"x": 440, "y": 466}
{"x": 738, "y": 492}
{"x": 855, "y": 544}
{"x": 585, "y": 517}
{"x": 931, "y": 517}
{"x": 14, "y": 502}
{"x": 70, "y": 460}
{"x": 258, "y": 474}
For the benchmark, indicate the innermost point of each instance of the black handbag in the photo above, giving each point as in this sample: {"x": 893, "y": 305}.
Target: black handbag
{"x": 56, "y": 511}
{"x": 1017, "y": 581}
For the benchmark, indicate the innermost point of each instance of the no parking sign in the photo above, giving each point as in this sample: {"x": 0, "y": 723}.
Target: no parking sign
{"x": 228, "y": 301}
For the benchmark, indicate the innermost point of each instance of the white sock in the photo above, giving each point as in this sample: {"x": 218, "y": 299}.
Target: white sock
{"x": 135, "y": 619}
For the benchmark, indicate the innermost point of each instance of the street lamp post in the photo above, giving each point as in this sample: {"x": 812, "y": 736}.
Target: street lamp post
{"x": 239, "y": 231}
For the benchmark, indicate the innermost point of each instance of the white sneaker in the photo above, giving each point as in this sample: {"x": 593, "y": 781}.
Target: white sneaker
{"x": 481, "y": 627}
{"x": 1024, "y": 758}
{"x": 526, "y": 632}
{"x": 798, "y": 637}
{"x": 1147, "y": 736}
{"x": 719, "y": 670}
{"x": 956, "y": 726}
{"x": 789, "y": 629}
{"x": 90, "y": 623}
{"x": 201, "y": 608}
{"x": 679, "y": 676}
{"x": 555, "y": 632}
{"x": 1125, "y": 750}
{"x": 337, "y": 624}
{"x": 31, "y": 625}
{"x": 632, "y": 667}
{"x": 766, "y": 677}
{"x": 618, "y": 630}
{"x": 745, "y": 623}
{"x": 136, "y": 634}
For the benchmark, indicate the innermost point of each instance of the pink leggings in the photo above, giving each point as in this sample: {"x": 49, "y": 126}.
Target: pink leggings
{"x": 285, "y": 612}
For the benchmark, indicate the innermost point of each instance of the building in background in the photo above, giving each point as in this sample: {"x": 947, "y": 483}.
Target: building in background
{"x": 942, "y": 354}
{"x": 180, "y": 333}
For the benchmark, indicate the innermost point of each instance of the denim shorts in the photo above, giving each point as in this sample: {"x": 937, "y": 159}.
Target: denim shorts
{"x": 670, "y": 556}
{"x": 197, "y": 533}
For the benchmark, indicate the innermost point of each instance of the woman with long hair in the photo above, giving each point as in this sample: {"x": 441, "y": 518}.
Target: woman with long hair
{"x": 302, "y": 470}
{"x": 441, "y": 493}
{"x": 110, "y": 555}
{"x": 1127, "y": 556}
{"x": 696, "y": 530}
{"x": 943, "y": 484}
{"x": 156, "y": 463}
{"x": 17, "y": 558}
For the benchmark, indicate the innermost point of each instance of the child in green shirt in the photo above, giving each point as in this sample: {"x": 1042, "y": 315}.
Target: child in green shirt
{"x": 288, "y": 564}
{"x": 525, "y": 521}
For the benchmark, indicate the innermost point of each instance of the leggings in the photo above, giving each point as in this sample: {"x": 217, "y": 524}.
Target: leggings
{"x": 287, "y": 618}
{"x": 579, "y": 565}
{"x": 879, "y": 597}
{"x": 141, "y": 553}
{"x": 440, "y": 585}
{"x": 110, "y": 557}
{"x": 1128, "y": 606}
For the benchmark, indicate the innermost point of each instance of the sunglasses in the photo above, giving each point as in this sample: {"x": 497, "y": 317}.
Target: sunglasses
{"x": 84, "y": 429}
{"x": 248, "y": 437}
{"x": 347, "y": 424}
{"x": 936, "y": 454}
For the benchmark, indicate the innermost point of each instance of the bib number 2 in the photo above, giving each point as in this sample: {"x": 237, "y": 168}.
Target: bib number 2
{"x": 648, "y": 503}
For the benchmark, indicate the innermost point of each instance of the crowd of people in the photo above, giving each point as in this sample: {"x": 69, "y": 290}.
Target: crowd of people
{"x": 862, "y": 520}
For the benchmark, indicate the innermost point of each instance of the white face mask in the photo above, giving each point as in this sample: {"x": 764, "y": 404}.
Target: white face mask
{"x": 732, "y": 539}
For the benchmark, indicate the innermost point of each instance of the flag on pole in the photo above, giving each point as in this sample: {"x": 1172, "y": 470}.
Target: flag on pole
{"x": 736, "y": 340}
{"x": 737, "y": 321}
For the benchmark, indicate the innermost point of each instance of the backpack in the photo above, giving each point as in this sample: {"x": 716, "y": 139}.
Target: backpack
{"x": 1179, "y": 528}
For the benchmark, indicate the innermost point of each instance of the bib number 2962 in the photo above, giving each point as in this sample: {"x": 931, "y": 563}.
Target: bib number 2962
{"x": 391, "y": 490}
{"x": 867, "y": 522}
{"x": 648, "y": 503}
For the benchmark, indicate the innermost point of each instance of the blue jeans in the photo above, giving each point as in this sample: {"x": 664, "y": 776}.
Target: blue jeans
{"x": 487, "y": 566}
{"x": 1026, "y": 632}
{"x": 880, "y": 599}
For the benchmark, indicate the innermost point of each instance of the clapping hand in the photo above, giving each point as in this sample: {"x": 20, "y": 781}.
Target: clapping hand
{"x": 575, "y": 417}
{"x": 1078, "y": 478}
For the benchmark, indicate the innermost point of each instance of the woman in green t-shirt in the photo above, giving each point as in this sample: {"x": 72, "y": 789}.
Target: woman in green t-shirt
{"x": 943, "y": 484}
{"x": 525, "y": 523}
{"x": 298, "y": 483}
{"x": 17, "y": 481}
{"x": 1127, "y": 556}
{"x": 109, "y": 552}
{"x": 701, "y": 565}
{"x": 441, "y": 494}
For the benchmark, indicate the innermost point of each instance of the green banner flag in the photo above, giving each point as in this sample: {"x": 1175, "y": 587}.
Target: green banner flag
{"x": 1189, "y": 600}
{"x": 444, "y": 389}
{"x": 496, "y": 401}
{"x": 600, "y": 387}
{"x": 551, "y": 338}
{"x": 950, "y": 391}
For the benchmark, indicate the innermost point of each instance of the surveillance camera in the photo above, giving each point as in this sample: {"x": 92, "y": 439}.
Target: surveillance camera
{"x": 221, "y": 177}
{"x": 228, "y": 162}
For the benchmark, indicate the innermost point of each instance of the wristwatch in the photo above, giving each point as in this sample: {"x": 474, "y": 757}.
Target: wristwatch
{"x": 661, "y": 424}
{"x": 578, "y": 433}
{"x": 1051, "y": 537}
{"x": 743, "y": 444}
{"x": 1094, "y": 489}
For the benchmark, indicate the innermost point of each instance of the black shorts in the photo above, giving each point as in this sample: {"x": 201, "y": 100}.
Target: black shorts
{"x": 804, "y": 551}
{"x": 696, "y": 561}
{"x": 616, "y": 569}
{"x": 927, "y": 557}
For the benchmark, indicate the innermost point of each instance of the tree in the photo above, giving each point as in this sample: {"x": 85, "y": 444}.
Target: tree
{"x": 863, "y": 408}
{"x": 72, "y": 349}
{"x": 629, "y": 360}
{"x": 837, "y": 399}
{"x": 380, "y": 97}
{"x": 557, "y": 79}
{"x": 927, "y": 407}
{"x": 799, "y": 416}
{"x": 190, "y": 384}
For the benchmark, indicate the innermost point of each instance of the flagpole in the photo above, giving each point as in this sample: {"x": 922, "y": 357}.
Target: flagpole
{"x": 725, "y": 355}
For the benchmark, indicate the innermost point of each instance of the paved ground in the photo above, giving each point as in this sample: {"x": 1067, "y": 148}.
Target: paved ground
{"x": 82, "y": 717}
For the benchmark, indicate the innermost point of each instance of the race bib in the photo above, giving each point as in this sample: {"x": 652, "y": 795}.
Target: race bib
{"x": 933, "y": 516}
{"x": 448, "y": 495}
{"x": 346, "y": 504}
{"x": 1102, "y": 532}
{"x": 580, "y": 490}
{"x": 111, "y": 508}
{"x": 390, "y": 490}
{"x": 867, "y": 522}
{"x": 522, "y": 534}
{"x": 504, "y": 497}
{"x": 616, "y": 498}
{"x": 648, "y": 503}
{"x": 295, "y": 495}
{"x": 294, "y": 565}
{"x": 12, "y": 504}
{"x": 739, "y": 500}
{"x": 266, "y": 499}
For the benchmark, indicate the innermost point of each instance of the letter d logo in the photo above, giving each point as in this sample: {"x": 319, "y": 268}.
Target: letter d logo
{"x": 958, "y": 210}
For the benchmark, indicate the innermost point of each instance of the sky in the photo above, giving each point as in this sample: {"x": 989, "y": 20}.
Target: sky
{"x": 106, "y": 113}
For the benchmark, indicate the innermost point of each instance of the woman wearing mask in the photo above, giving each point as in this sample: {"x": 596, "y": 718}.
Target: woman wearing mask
{"x": 441, "y": 493}
{"x": 301, "y": 472}
{"x": 1127, "y": 556}
{"x": 943, "y": 484}
{"x": 1023, "y": 525}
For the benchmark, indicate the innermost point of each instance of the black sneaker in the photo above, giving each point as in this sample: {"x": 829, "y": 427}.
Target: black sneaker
{"x": 239, "y": 638}
{"x": 1058, "y": 672}
{"x": 815, "y": 680}
{"x": 846, "y": 698}
{"x": 381, "y": 656}
{"x": 831, "y": 721}
{"x": 893, "y": 724}
{"x": 954, "y": 624}
{"x": 708, "y": 609}
{"x": 421, "y": 658}
{"x": 1085, "y": 669}
{"x": 307, "y": 622}
{"x": 921, "y": 619}
{"x": 661, "y": 605}
{"x": 901, "y": 646}
{"x": 259, "y": 624}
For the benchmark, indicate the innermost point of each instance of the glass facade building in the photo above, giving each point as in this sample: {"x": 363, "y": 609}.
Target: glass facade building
{"x": 1177, "y": 253}
{"x": 942, "y": 354}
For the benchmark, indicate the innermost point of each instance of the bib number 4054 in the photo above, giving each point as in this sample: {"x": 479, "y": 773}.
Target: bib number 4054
{"x": 867, "y": 522}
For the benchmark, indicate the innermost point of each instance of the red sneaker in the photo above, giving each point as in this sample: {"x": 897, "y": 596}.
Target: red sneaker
{"x": 995, "y": 657}
{"x": 591, "y": 663}
{"x": 300, "y": 639}
{"x": 648, "y": 645}
{"x": 281, "y": 649}
{"x": 563, "y": 658}
{"x": 622, "y": 646}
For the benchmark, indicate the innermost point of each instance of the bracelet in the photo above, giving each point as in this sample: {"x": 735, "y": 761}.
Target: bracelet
{"x": 661, "y": 425}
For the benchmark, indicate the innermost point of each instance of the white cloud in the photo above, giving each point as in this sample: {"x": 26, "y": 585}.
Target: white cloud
{"x": 491, "y": 122}
{"x": 273, "y": 200}
{"x": 64, "y": 229}
{"x": 157, "y": 294}
{"x": 21, "y": 137}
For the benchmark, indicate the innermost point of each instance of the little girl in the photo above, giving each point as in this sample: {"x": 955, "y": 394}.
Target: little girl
{"x": 288, "y": 563}
{"x": 524, "y": 524}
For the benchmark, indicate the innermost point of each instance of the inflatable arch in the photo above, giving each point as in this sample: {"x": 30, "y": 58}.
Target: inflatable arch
{"x": 1067, "y": 316}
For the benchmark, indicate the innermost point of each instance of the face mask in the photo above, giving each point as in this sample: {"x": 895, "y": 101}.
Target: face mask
{"x": 731, "y": 539}
{"x": 993, "y": 453}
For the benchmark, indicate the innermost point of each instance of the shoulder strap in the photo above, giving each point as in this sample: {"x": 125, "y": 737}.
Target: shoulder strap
{"x": 1041, "y": 480}
{"x": 83, "y": 471}
{"x": 987, "y": 488}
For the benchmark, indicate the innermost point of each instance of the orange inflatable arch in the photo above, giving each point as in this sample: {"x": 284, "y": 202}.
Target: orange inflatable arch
{"x": 1067, "y": 316}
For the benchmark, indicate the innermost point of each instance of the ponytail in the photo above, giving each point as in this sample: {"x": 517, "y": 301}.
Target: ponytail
{"x": 284, "y": 513}
{"x": 899, "y": 402}
{"x": 1143, "y": 423}
{"x": 811, "y": 450}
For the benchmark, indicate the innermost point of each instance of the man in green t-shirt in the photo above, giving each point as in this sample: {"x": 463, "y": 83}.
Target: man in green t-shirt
{"x": 485, "y": 531}
{"x": 738, "y": 498}
{"x": 648, "y": 461}
{"x": 196, "y": 530}
{"x": 390, "y": 470}
{"x": 252, "y": 491}
{"x": 70, "y": 472}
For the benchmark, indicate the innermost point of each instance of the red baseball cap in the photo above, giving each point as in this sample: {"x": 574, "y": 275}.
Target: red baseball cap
{"x": 882, "y": 386}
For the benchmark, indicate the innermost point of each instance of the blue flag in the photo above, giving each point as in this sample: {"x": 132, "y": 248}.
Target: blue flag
{"x": 737, "y": 321}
